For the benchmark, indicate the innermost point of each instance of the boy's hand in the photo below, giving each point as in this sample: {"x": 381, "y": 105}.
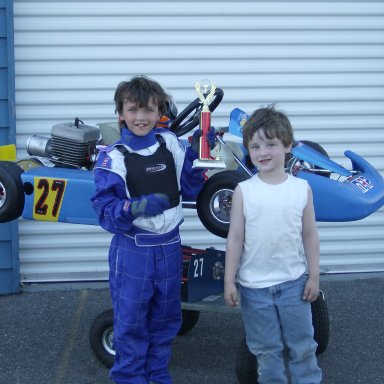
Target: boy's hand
{"x": 211, "y": 139}
{"x": 230, "y": 294}
{"x": 311, "y": 290}
{"x": 148, "y": 205}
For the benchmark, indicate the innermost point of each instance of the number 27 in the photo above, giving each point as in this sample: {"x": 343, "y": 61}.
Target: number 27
{"x": 198, "y": 264}
{"x": 58, "y": 186}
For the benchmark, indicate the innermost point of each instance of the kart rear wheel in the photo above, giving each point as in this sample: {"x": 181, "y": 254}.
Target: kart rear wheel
{"x": 246, "y": 365}
{"x": 12, "y": 196}
{"x": 189, "y": 320}
{"x": 214, "y": 201}
{"x": 320, "y": 321}
{"x": 101, "y": 334}
{"x": 246, "y": 362}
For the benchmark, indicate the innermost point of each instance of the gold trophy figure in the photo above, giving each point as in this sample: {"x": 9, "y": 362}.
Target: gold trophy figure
{"x": 206, "y": 96}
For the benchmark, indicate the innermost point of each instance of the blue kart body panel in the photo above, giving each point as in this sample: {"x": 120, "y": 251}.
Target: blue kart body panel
{"x": 63, "y": 195}
{"x": 306, "y": 153}
{"x": 59, "y": 194}
{"x": 351, "y": 200}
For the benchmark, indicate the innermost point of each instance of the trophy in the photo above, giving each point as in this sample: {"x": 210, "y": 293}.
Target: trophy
{"x": 205, "y": 89}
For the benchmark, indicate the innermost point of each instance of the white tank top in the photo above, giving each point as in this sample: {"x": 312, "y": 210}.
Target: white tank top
{"x": 273, "y": 247}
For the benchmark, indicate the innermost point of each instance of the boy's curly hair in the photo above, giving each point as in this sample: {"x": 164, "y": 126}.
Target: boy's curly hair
{"x": 274, "y": 123}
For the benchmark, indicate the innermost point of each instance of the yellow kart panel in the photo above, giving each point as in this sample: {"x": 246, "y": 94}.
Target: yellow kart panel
{"x": 8, "y": 152}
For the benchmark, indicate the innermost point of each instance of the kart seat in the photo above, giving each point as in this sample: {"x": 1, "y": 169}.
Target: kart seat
{"x": 110, "y": 132}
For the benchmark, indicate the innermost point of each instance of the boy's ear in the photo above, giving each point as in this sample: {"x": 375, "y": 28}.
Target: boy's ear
{"x": 288, "y": 148}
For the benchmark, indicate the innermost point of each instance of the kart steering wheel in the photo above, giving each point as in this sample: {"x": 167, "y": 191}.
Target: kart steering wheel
{"x": 180, "y": 127}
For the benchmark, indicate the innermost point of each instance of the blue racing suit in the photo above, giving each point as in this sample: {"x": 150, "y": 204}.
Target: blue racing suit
{"x": 145, "y": 257}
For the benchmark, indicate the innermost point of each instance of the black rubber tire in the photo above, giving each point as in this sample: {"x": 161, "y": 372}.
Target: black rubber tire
{"x": 189, "y": 320}
{"x": 246, "y": 365}
{"x": 214, "y": 202}
{"x": 12, "y": 197}
{"x": 101, "y": 334}
{"x": 246, "y": 362}
{"x": 320, "y": 321}
{"x": 101, "y": 337}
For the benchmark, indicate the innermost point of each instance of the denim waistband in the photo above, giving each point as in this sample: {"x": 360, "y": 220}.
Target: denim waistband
{"x": 143, "y": 239}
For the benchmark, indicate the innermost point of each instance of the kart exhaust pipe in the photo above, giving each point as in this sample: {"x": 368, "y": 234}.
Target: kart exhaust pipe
{"x": 39, "y": 146}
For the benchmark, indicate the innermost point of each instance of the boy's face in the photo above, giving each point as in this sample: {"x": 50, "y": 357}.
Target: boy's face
{"x": 140, "y": 120}
{"x": 268, "y": 155}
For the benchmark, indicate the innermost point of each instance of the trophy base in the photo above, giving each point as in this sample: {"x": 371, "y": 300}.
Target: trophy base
{"x": 211, "y": 164}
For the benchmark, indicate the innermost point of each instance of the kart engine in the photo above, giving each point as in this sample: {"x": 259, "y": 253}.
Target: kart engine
{"x": 70, "y": 145}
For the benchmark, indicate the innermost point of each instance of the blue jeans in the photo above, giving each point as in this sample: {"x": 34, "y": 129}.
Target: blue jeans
{"x": 275, "y": 317}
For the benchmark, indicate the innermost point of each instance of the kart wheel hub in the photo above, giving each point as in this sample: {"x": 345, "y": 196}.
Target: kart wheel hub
{"x": 221, "y": 204}
{"x": 107, "y": 340}
{"x": 3, "y": 195}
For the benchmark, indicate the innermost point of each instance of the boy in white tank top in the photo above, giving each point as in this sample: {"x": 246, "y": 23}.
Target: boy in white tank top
{"x": 273, "y": 253}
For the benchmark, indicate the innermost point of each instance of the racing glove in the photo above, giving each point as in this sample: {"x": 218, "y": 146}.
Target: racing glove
{"x": 147, "y": 205}
{"x": 211, "y": 139}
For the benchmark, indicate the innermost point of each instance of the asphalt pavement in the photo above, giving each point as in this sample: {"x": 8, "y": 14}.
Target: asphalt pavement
{"x": 44, "y": 336}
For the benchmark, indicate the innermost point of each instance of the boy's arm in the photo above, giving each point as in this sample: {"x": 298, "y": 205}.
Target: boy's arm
{"x": 311, "y": 249}
{"x": 109, "y": 200}
{"x": 235, "y": 243}
{"x": 192, "y": 179}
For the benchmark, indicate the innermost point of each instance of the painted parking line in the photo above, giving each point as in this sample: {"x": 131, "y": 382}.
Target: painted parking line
{"x": 74, "y": 334}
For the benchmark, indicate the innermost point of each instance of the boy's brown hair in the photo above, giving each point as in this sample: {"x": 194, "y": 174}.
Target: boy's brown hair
{"x": 274, "y": 124}
{"x": 140, "y": 90}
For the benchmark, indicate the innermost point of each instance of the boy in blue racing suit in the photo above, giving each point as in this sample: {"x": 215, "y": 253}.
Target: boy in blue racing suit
{"x": 139, "y": 180}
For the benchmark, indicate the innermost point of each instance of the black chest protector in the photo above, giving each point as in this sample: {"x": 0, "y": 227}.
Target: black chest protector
{"x": 155, "y": 173}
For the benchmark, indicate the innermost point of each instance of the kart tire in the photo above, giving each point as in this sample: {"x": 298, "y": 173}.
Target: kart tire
{"x": 12, "y": 198}
{"x": 246, "y": 365}
{"x": 246, "y": 362}
{"x": 188, "y": 321}
{"x": 101, "y": 334}
{"x": 214, "y": 201}
{"x": 320, "y": 321}
{"x": 101, "y": 338}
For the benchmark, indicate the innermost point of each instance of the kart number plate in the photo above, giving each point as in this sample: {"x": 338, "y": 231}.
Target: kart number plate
{"x": 48, "y": 198}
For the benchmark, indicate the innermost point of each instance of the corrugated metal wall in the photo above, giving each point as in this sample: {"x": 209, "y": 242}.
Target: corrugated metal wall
{"x": 9, "y": 262}
{"x": 322, "y": 62}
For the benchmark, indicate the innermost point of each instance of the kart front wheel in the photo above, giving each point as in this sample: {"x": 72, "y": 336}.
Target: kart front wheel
{"x": 189, "y": 320}
{"x": 101, "y": 334}
{"x": 214, "y": 201}
{"x": 101, "y": 338}
{"x": 12, "y": 196}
